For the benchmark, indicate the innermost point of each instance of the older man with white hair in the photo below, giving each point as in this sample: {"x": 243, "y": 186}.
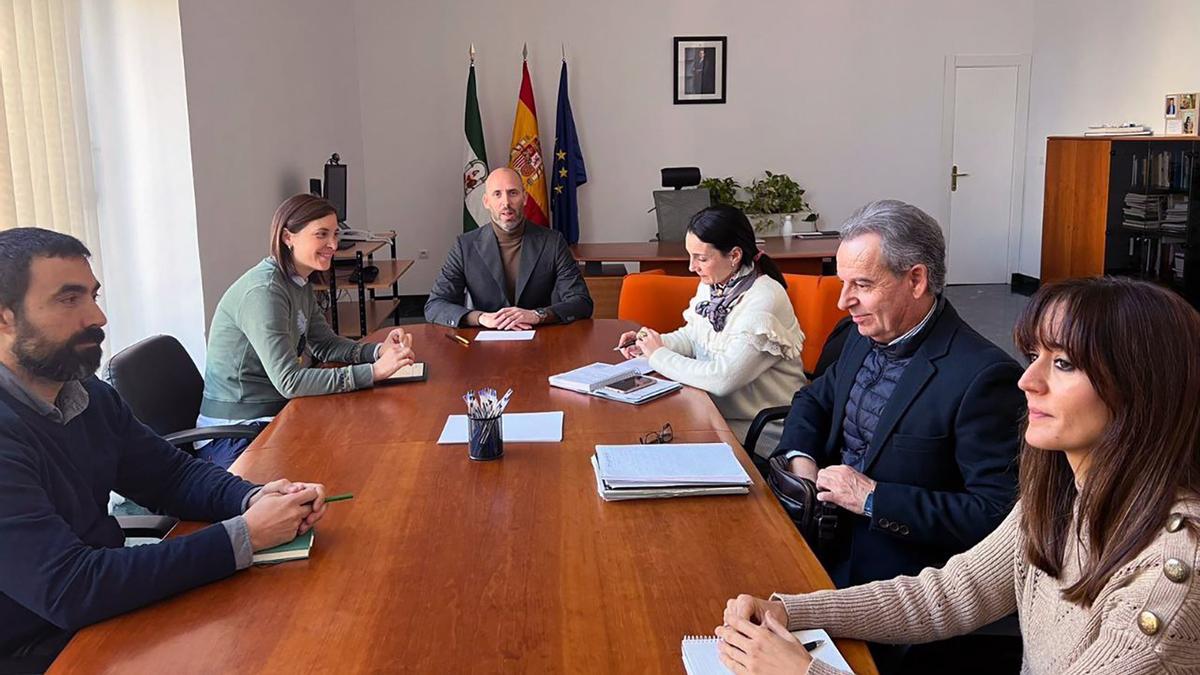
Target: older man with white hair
{"x": 913, "y": 432}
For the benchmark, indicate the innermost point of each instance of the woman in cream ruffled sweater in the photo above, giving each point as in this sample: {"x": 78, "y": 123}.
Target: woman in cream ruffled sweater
{"x": 740, "y": 342}
{"x": 1099, "y": 556}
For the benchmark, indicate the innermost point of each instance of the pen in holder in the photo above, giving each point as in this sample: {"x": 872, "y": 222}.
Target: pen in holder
{"x": 485, "y": 430}
{"x": 485, "y": 438}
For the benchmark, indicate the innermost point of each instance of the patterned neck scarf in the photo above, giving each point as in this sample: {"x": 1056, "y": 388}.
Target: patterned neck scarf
{"x": 724, "y": 295}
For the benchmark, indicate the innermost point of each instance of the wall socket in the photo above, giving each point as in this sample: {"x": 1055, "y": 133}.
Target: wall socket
{"x": 423, "y": 254}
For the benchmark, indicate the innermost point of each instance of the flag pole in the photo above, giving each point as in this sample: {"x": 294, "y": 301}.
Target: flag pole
{"x": 472, "y": 54}
{"x": 525, "y": 52}
{"x": 564, "y": 51}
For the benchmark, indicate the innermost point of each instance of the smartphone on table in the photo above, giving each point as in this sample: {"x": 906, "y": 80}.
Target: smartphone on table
{"x": 631, "y": 384}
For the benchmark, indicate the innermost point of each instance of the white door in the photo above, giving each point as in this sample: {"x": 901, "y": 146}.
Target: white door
{"x": 983, "y": 228}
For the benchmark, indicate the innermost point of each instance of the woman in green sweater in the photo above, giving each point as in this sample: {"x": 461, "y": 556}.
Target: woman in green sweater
{"x": 1098, "y": 557}
{"x": 269, "y": 332}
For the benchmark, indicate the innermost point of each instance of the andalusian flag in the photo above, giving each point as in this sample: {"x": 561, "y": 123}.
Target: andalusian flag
{"x": 475, "y": 169}
{"x": 525, "y": 157}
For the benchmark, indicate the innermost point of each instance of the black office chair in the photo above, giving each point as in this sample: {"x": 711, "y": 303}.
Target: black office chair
{"x": 830, "y": 352}
{"x": 162, "y": 387}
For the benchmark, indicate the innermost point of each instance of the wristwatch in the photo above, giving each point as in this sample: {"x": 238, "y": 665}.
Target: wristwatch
{"x": 542, "y": 314}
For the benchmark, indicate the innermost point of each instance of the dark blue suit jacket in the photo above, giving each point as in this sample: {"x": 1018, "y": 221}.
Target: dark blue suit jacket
{"x": 944, "y": 452}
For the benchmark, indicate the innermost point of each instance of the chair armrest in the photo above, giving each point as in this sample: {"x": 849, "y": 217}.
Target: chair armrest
{"x": 764, "y": 416}
{"x": 147, "y": 526}
{"x": 213, "y": 433}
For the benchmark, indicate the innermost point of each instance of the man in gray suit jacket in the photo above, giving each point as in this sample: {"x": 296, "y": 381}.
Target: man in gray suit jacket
{"x": 518, "y": 274}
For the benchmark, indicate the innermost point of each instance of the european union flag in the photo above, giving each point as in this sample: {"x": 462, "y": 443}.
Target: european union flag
{"x": 569, "y": 172}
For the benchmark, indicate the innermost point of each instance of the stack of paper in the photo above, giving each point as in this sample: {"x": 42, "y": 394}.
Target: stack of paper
{"x": 668, "y": 470}
{"x": 1128, "y": 129}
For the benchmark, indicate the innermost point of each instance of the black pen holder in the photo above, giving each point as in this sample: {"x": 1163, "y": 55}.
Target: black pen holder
{"x": 485, "y": 438}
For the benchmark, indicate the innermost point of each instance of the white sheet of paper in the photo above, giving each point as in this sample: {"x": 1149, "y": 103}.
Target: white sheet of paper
{"x": 543, "y": 427}
{"x": 669, "y": 464}
{"x": 503, "y": 335}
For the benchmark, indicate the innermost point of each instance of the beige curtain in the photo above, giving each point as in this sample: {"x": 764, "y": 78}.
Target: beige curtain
{"x": 45, "y": 149}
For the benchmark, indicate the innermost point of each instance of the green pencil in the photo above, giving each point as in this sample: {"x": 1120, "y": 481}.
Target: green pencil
{"x": 339, "y": 498}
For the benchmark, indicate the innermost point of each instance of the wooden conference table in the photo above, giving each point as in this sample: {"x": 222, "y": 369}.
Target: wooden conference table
{"x": 440, "y": 564}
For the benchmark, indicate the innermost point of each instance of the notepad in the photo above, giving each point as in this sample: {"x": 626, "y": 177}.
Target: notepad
{"x": 296, "y": 549}
{"x": 700, "y": 656}
{"x": 414, "y": 372}
{"x": 587, "y": 379}
{"x": 670, "y": 465}
{"x": 503, "y": 335}
{"x": 541, "y": 427}
{"x": 594, "y": 379}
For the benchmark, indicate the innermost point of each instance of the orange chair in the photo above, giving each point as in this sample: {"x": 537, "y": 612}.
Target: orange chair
{"x": 655, "y": 300}
{"x": 814, "y": 298}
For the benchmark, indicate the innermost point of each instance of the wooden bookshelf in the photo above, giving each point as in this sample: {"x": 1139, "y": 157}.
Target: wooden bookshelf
{"x": 389, "y": 272}
{"x": 378, "y": 315}
{"x": 1123, "y": 206}
{"x": 367, "y": 248}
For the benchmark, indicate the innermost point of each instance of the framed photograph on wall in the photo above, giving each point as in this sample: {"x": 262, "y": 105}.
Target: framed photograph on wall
{"x": 699, "y": 69}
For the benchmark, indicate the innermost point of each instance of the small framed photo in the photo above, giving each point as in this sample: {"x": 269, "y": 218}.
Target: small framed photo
{"x": 699, "y": 69}
{"x": 1180, "y": 113}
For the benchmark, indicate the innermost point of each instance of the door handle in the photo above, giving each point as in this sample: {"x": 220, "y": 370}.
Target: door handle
{"x": 954, "y": 176}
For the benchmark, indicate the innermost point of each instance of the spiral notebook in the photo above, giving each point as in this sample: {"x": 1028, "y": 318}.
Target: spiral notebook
{"x": 700, "y": 653}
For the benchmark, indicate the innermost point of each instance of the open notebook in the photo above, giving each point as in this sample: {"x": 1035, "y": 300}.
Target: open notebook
{"x": 595, "y": 379}
{"x": 700, "y": 653}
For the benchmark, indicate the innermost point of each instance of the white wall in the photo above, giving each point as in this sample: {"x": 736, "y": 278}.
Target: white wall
{"x": 1094, "y": 62}
{"x": 137, "y": 109}
{"x": 272, "y": 88}
{"x": 844, "y": 96}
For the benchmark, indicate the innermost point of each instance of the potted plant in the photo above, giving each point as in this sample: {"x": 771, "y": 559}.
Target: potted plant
{"x": 772, "y": 199}
{"x": 724, "y": 191}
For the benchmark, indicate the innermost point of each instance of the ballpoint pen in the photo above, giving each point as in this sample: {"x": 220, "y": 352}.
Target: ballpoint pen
{"x": 640, "y": 334}
{"x": 815, "y": 644}
{"x": 459, "y": 339}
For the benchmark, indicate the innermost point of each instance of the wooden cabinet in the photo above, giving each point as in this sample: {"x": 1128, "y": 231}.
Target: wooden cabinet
{"x": 1123, "y": 206}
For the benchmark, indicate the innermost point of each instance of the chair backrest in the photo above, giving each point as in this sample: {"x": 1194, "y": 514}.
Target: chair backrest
{"x": 814, "y": 298}
{"x": 159, "y": 382}
{"x": 656, "y": 300}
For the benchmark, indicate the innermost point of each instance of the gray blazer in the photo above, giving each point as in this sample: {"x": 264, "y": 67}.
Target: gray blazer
{"x": 548, "y": 278}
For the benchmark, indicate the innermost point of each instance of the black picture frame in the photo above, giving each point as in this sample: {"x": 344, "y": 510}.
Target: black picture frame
{"x": 699, "y": 66}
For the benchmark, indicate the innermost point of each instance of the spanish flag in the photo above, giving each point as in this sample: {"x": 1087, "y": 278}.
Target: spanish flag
{"x": 525, "y": 157}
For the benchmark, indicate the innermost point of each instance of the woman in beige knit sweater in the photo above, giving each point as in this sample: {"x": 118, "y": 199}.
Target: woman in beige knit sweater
{"x": 1099, "y": 555}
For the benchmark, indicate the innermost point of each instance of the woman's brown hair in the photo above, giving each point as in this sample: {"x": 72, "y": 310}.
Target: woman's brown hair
{"x": 294, "y": 214}
{"x": 1138, "y": 345}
